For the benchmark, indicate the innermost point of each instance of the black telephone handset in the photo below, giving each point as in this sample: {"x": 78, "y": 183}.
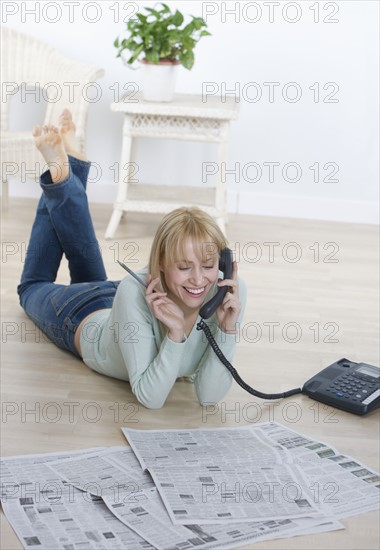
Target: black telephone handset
{"x": 225, "y": 265}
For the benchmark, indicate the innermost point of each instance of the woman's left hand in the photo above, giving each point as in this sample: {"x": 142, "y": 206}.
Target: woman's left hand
{"x": 228, "y": 312}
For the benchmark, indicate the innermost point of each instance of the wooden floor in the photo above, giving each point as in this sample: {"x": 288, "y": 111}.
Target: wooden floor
{"x": 322, "y": 307}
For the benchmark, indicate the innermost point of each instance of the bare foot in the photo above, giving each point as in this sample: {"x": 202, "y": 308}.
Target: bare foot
{"x": 50, "y": 144}
{"x": 70, "y": 140}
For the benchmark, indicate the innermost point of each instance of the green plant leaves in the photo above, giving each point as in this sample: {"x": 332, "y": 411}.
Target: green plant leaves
{"x": 177, "y": 19}
{"x": 187, "y": 58}
{"x": 136, "y": 53}
{"x": 166, "y": 8}
{"x": 158, "y": 35}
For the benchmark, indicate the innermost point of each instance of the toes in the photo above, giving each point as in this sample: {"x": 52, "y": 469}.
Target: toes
{"x": 46, "y": 130}
{"x": 50, "y": 129}
{"x": 37, "y": 130}
{"x": 65, "y": 118}
{"x": 66, "y": 114}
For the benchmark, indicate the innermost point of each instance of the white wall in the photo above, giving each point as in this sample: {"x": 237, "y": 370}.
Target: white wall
{"x": 339, "y": 58}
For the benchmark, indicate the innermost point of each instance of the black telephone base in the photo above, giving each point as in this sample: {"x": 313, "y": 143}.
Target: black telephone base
{"x": 352, "y": 387}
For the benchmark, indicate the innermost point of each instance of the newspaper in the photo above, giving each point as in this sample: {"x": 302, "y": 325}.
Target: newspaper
{"x": 114, "y": 472}
{"x": 244, "y": 480}
{"x": 188, "y": 471}
{"x": 224, "y": 493}
{"x": 123, "y": 497}
{"x": 46, "y": 512}
{"x": 168, "y": 448}
{"x": 149, "y": 518}
{"x": 143, "y": 511}
{"x": 344, "y": 484}
{"x": 59, "y": 513}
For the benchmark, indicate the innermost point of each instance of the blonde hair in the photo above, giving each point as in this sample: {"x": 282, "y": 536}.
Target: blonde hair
{"x": 175, "y": 229}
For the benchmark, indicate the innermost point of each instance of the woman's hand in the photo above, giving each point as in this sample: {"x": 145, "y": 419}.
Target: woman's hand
{"x": 165, "y": 310}
{"x": 228, "y": 311}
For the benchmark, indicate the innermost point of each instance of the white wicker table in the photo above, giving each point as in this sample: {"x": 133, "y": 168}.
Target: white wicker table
{"x": 187, "y": 117}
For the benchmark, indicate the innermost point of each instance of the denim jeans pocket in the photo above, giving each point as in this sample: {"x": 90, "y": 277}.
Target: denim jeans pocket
{"x": 73, "y": 295}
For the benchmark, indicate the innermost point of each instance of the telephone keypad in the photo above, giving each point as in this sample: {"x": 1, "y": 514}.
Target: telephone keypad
{"x": 349, "y": 386}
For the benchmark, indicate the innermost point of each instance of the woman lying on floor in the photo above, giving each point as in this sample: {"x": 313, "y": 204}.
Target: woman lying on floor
{"x": 146, "y": 336}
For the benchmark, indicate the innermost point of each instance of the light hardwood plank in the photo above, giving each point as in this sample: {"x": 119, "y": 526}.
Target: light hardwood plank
{"x": 338, "y": 299}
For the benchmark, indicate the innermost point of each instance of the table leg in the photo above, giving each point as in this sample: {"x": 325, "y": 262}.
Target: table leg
{"x": 5, "y": 194}
{"x": 125, "y": 172}
{"x": 113, "y": 223}
{"x": 220, "y": 190}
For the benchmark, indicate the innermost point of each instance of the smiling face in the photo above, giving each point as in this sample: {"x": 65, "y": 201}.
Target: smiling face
{"x": 190, "y": 277}
{"x": 185, "y": 255}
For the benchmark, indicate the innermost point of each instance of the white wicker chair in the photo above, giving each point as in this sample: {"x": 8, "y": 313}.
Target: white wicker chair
{"x": 28, "y": 61}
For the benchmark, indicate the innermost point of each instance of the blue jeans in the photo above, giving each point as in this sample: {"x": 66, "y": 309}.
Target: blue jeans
{"x": 63, "y": 225}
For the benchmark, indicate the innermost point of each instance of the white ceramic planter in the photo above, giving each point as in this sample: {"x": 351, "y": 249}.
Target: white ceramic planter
{"x": 159, "y": 80}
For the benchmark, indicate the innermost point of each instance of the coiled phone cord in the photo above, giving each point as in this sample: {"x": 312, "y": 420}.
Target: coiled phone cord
{"x": 218, "y": 352}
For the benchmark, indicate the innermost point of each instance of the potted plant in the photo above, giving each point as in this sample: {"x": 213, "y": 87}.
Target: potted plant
{"x": 162, "y": 42}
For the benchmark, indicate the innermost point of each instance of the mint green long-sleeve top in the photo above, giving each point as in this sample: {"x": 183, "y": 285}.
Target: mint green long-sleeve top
{"x": 127, "y": 342}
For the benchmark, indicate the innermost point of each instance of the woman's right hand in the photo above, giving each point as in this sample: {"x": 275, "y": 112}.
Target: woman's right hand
{"x": 165, "y": 310}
